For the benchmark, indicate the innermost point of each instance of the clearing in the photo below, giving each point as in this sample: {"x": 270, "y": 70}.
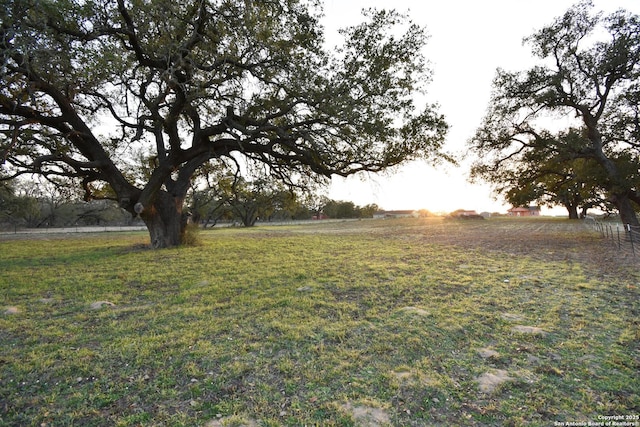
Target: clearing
{"x": 413, "y": 322}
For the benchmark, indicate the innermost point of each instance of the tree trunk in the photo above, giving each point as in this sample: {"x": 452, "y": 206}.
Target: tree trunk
{"x": 165, "y": 221}
{"x": 583, "y": 214}
{"x": 625, "y": 209}
{"x": 618, "y": 187}
{"x": 573, "y": 211}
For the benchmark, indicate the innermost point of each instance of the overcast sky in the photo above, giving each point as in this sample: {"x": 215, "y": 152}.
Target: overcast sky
{"x": 469, "y": 39}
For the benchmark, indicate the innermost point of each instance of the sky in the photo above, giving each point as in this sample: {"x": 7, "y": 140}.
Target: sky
{"x": 469, "y": 40}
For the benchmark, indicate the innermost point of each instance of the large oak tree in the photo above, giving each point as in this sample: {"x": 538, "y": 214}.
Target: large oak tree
{"x": 86, "y": 84}
{"x": 587, "y": 80}
{"x": 549, "y": 172}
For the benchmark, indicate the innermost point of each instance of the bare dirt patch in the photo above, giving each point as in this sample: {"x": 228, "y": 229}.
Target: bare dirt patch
{"x": 533, "y": 330}
{"x": 97, "y": 305}
{"x": 490, "y": 381}
{"x": 415, "y": 310}
{"x": 488, "y": 353}
{"x": 233, "y": 421}
{"x": 367, "y": 416}
{"x": 510, "y": 317}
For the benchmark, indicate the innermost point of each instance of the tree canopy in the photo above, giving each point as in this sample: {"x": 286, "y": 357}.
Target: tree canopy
{"x": 587, "y": 86}
{"x": 130, "y": 98}
{"x": 550, "y": 173}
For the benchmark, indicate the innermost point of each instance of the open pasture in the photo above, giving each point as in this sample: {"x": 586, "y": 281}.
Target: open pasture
{"x": 367, "y": 323}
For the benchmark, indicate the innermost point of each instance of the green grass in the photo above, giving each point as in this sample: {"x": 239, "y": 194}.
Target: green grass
{"x": 288, "y": 325}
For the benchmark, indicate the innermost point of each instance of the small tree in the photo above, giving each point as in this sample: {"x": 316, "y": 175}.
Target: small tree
{"x": 340, "y": 209}
{"x": 252, "y": 200}
{"x": 18, "y": 209}
{"x": 368, "y": 210}
{"x": 84, "y": 83}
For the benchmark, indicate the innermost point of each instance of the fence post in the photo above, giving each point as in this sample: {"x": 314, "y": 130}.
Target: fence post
{"x": 618, "y": 231}
{"x": 633, "y": 248}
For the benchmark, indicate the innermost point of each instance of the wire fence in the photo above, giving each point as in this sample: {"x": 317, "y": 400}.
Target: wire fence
{"x": 139, "y": 227}
{"x": 624, "y": 237}
{"x": 74, "y": 229}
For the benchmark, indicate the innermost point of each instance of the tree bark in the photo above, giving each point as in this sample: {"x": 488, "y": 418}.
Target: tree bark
{"x": 620, "y": 200}
{"x": 584, "y": 211}
{"x": 165, "y": 221}
{"x": 625, "y": 209}
{"x": 618, "y": 188}
{"x": 573, "y": 211}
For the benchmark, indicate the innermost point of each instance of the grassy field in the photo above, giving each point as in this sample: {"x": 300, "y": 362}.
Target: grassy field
{"x": 366, "y": 323}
